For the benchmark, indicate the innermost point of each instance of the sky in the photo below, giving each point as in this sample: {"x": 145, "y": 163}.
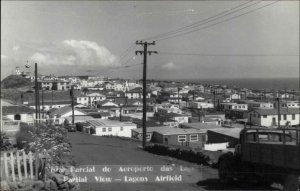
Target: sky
{"x": 98, "y": 38}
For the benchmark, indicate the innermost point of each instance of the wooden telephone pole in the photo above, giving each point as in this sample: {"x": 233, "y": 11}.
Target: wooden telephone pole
{"x": 145, "y": 52}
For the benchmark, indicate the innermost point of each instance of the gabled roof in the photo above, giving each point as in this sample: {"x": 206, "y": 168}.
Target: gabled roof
{"x": 17, "y": 109}
{"x": 101, "y": 103}
{"x": 63, "y": 110}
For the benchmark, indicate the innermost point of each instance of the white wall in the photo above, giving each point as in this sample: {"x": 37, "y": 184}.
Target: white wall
{"x": 115, "y": 131}
{"x": 268, "y": 120}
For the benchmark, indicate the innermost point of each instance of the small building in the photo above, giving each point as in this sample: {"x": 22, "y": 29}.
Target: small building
{"x": 236, "y": 114}
{"x": 105, "y": 127}
{"x": 58, "y": 115}
{"x": 231, "y": 106}
{"x": 269, "y": 117}
{"x": 138, "y": 132}
{"x": 180, "y": 118}
{"x": 201, "y": 105}
{"x": 20, "y": 113}
{"x": 193, "y": 138}
{"x": 224, "y": 135}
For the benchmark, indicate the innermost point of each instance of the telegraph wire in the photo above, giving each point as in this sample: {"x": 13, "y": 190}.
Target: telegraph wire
{"x": 204, "y": 21}
{"x": 226, "y": 55}
{"x": 208, "y": 26}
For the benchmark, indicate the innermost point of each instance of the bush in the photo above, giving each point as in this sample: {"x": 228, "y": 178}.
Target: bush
{"x": 24, "y": 136}
{"x": 186, "y": 155}
{"x": 5, "y": 144}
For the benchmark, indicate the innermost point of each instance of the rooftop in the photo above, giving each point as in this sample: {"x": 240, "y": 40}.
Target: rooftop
{"x": 16, "y": 109}
{"x": 200, "y": 125}
{"x": 150, "y": 129}
{"x": 232, "y": 132}
{"x": 107, "y": 122}
{"x": 177, "y": 131}
{"x": 275, "y": 111}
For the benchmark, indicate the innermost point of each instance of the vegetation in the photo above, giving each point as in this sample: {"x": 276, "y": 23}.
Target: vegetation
{"x": 15, "y": 81}
{"x": 186, "y": 155}
{"x": 5, "y": 145}
{"x": 51, "y": 142}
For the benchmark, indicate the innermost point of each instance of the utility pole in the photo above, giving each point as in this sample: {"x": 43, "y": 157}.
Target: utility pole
{"x": 178, "y": 98}
{"x": 36, "y": 93}
{"x": 214, "y": 93}
{"x": 43, "y": 102}
{"x": 279, "y": 116}
{"x": 72, "y": 102}
{"x": 145, "y": 52}
{"x": 285, "y": 95}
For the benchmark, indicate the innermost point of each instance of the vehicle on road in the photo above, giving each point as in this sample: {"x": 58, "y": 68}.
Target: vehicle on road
{"x": 267, "y": 155}
{"x": 71, "y": 127}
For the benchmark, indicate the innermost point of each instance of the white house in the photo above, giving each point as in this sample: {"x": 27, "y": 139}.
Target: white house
{"x": 290, "y": 104}
{"x": 19, "y": 113}
{"x": 136, "y": 93}
{"x": 200, "y": 105}
{"x": 59, "y": 115}
{"x": 269, "y": 117}
{"x": 90, "y": 99}
{"x": 236, "y": 106}
{"x": 259, "y": 105}
{"x": 234, "y": 96}
{"x": 103, "y": 127}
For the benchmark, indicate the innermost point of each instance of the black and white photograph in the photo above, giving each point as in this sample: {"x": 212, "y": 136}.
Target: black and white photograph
{"x": 105, "y": 95}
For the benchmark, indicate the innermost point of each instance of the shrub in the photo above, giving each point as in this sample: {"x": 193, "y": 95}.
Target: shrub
{"x": 5, "y": 144}
{"x": 186, "y": 155}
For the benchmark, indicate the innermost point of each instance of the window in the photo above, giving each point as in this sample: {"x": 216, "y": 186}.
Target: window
{"x": 293, "y": 116}
{"x": 17, "y": 117}
{"x": 109, "y": 129}
{"x": 193, "y": 137}
{"x": 104, "y": 129}
{"x": 284, "y": 117}
{"x": 264, "y": 116}
{"x": 121, "y": 128}
{"x": 181, "y": 138}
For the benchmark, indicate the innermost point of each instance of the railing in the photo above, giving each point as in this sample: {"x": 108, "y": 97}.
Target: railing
{"x": 18, "y": 166}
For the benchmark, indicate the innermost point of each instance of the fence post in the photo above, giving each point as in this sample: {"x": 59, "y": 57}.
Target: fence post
{"x": 19, "y": 166}
{"x": 5, "y": 164}
{"x": 25, "y": 164}
{"x": 30, "y": 164}
{"x": 12, "y": 165}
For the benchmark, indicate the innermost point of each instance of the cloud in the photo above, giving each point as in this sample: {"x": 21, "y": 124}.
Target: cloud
{"x": 74, "y": 52}
{"x": 3, "y": 56}
{"x": 49, "y": 59}
{"x": 90, "y": 53}
{"x": 169, "y": 66}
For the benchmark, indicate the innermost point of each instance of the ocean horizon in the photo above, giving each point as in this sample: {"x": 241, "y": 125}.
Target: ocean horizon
{"x": 250, "y": 83}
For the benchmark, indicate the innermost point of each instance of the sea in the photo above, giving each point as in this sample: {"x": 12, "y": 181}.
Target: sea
{"x": 252, "y": 83}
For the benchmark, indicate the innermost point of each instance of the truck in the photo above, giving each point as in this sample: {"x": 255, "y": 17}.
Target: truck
{"x": 264, "y": 154}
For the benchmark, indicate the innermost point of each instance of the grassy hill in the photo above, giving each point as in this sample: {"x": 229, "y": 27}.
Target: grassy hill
{"x": 15, "y": 81}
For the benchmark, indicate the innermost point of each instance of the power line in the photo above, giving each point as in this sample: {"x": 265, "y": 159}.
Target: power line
{"x": 208, "y": 26}
{"x": 227, "y": 55}
{"x": 204, "y": 21}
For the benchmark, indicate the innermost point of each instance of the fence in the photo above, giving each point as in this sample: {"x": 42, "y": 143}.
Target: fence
{"x": 20, "y": 166}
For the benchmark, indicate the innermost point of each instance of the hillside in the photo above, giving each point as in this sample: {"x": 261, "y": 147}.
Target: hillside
{"x": 14, "y": 81}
